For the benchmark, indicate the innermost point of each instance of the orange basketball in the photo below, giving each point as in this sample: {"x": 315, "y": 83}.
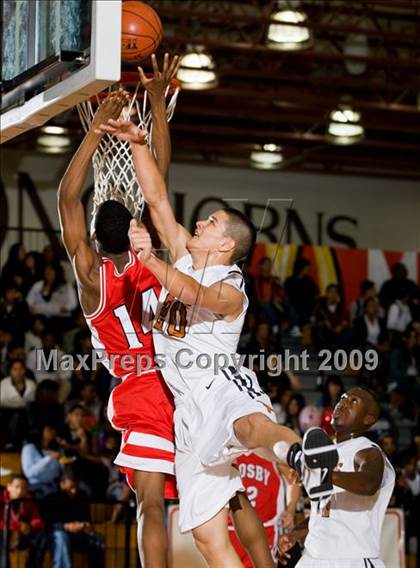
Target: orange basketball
{"x": 141, "y": 31}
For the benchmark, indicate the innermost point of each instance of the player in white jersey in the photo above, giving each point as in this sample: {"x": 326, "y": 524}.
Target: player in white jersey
{"x": 219, "y": 413}
{"x": 344, "y": 529}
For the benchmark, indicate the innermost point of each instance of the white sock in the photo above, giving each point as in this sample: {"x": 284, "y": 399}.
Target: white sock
{"x": 281, "y": 449}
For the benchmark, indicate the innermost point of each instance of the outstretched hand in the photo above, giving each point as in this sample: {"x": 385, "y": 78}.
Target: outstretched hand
{"x": 110, "y": 108}
{"x": 157, "y": 84}
{"x": 124, "y": 130}
{"x": 140, "y": 240}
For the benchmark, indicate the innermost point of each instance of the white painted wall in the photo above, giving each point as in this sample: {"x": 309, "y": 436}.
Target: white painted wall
{"x": 384, "y": 213}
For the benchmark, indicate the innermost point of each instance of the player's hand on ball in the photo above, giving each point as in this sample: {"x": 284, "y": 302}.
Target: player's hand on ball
{"x": 110, "y": 108}
{"x": 157, "y": 84}
{"x": 124, "y": 130}
{"x": 140, "y": 240}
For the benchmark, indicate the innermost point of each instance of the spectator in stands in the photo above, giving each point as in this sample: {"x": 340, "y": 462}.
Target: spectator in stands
{"x": 264, "y": 281}
{"x": 53, "y": 296}
{"x": 409, "y": 481}
{"x": 52, "y": 256}
{"x": 78, "y": 442}
{"x": 118, "y": 489}
{"x": 330, "y": 319}
{"x": 404, "y": 365}
{"x": 46, "y": 409}
{"x": 25, "y": 523}
{"x": 392, "y": 289}
{"x": 14, "y": 312}
{"x": 6, "y": 339}
{"x": 40, "y": 461}
{"x": 332, "y": 391}
{"x": 367, "y": 291}
{"x": 89, "y": 400}
{"x": 294, "y": 408}
{"x": 16, "y": 392}
{"x": 399, "y": 314}
{"x": 302, "y": 291}
{"x": 33, "y": 337}
{"x": 69, "y": 526}
{"x": 15, "y": 351}
{"x": 14, "y": 271}
{"x": 263, "y": 342}
{"x": 41, "y": 371}
{"x": 401, "y": 407}
{"x": 33, "y": 264}
{"x": 49, "y": 255}
{"x": 75, "y": 436}
{"x": 388, "y": 444}
{"x": 72, "y": 337}
{"x": 369, "y": 330}
{"x": 83, "y": 347}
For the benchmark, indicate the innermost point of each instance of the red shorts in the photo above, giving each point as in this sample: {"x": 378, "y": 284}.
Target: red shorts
{"x": 142, "y": 408}
{"x": 271, "y": 533}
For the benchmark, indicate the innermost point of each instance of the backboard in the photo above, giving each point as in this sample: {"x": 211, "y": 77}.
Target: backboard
{"x": 55, "y": 54}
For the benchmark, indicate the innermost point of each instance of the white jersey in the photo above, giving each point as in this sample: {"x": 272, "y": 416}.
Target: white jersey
{"x": 208, "y": 400}
{"x": 192, "y": 338}
{"x": 347, "y": 525}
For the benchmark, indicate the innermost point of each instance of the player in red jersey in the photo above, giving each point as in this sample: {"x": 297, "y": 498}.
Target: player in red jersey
{"x": 116, "y": 293}
{"x": 274, "y": 501}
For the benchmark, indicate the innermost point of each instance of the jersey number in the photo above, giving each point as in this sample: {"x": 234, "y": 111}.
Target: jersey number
{"x": 252, "y": 493}
{"x": 177, "y": 317}
{"x": 149, "y": 302}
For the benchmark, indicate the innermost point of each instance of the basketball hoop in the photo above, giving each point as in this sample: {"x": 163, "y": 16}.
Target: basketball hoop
{"x": 113, "y": 168}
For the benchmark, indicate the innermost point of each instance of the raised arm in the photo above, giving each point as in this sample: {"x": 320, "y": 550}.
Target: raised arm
{"x": 155, "y": 87}
{"x": 70, "y": 208}
{"x": 220, "y": 298}
{"x": 172, "y": 235}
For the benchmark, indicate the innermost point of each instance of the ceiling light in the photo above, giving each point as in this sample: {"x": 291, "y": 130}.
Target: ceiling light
{"x": 283, "y": 36}
{"x": 51, "y": 141}
{"x": 266, "y": 157}
{"x": 54, "y": 129}
{"x": 344, "y": 127}
{"x": 52, "y": 149}
{"x": 196, "y": 71}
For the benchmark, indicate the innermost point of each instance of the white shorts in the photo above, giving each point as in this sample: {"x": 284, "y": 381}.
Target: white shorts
{"x": 308, "y": 562}
{"x": 206, "y": 444}
{"x": 203, "y": 491}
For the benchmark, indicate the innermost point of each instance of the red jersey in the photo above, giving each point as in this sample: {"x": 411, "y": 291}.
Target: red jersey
{"x": 264, "y": 487}
{"x": 121, "y": 325}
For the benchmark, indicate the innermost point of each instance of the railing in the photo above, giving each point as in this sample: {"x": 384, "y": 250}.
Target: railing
{"x": 115, "y": 540}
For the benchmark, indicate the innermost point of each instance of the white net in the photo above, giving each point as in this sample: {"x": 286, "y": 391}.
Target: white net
{"x": 113, "y": 168}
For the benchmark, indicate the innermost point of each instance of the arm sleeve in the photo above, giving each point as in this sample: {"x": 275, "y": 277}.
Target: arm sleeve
{"x": 32, "y": 462}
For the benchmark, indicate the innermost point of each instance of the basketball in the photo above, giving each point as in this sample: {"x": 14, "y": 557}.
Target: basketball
{"x": 141, "y": 31}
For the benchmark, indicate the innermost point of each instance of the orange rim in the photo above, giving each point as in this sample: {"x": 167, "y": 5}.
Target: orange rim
{"x": 129, "y": 80}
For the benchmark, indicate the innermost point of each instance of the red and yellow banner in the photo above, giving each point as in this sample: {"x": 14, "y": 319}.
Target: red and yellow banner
{"x": 345, "y": 267}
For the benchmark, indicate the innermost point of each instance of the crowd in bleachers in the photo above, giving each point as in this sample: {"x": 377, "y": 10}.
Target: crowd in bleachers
{"x": 57, "y": 419}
